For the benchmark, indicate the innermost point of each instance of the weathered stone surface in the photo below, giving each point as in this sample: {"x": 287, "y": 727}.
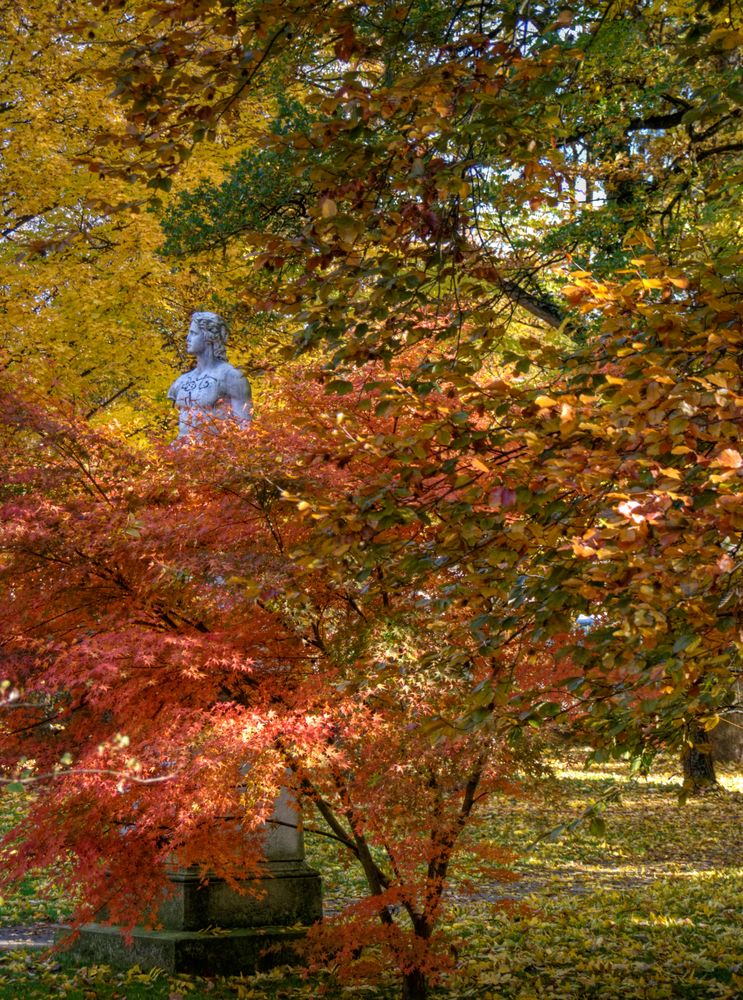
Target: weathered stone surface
{"x": 259, "y": 925}
{"x": 284, "y": 839}
{"x": 289, "y": 893}
{"x": 240, "y": 950}
{"x": 248, "y": 931}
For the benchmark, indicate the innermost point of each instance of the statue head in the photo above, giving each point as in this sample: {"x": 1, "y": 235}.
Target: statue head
{"x": 214, "y": 329}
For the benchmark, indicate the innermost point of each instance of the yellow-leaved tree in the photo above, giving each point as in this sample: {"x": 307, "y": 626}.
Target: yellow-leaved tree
{"x": 92, "y": 310}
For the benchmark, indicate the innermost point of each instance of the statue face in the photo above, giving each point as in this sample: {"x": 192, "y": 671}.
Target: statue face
{"x": 195, "y": 340}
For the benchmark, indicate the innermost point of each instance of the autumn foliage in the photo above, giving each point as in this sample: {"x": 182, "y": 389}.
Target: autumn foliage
{"x": 175, "y": 615}
{"x": 373, "y": 592}
{"x": 347, "y": 593}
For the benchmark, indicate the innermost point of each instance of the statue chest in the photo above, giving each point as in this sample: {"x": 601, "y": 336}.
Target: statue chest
{"x": 198, "y": 390}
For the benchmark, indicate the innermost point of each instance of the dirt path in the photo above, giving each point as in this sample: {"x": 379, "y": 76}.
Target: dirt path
{"x": 28, "y": 936}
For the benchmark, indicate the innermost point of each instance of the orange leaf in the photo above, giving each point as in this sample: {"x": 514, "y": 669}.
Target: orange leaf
{"x": 728, "y": 459}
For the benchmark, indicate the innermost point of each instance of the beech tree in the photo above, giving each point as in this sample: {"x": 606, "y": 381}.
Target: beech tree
{"x": 87, "y": 300}
{"x": 455, "y": 176}
{"x": 345, "y": 591}
{"x": 507, "y": 139}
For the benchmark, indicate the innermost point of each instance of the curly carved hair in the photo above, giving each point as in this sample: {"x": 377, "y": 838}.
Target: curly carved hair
{"x": 215, "y": 330}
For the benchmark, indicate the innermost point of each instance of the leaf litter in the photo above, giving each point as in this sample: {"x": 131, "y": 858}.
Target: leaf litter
{"x": 645, "y": 907}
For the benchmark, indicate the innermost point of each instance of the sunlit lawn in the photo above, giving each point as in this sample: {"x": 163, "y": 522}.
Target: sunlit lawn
{"x": 653, "y": 908}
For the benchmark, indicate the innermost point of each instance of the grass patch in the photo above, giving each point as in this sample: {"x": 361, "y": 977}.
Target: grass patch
{"x": 39, "y": 898}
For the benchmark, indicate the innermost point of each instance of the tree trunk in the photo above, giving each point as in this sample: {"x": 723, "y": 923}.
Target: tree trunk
{"x": 697, "y": 761}
{"x": 727, "y": 736}
{"x": 727, "y": 739}
{"x": 414, "y": 985}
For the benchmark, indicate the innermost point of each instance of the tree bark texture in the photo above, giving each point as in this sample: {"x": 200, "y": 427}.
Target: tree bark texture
{"x": 697, "y": 760}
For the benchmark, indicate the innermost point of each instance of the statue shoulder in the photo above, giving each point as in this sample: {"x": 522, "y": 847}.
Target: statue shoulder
{"x": 232, "y": 378}
{"x": 175, "y": 385}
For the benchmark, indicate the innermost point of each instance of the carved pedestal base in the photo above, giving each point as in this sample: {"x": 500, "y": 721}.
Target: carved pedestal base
{"x": 289, "y": 893}
{"x": 210, "y": 929}
{"x": 240, "y": 950}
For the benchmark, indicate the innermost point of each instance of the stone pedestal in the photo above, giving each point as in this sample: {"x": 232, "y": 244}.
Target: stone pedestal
{"x": 286, "y": 894}
{"x": 209, "y": 928}
{"x": 192, "y": 953}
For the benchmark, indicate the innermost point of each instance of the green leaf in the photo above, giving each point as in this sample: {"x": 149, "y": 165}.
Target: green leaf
{"x": 682, "y": 642}
{"x": 597, "y": 826}
{"x": 339, "y": 387}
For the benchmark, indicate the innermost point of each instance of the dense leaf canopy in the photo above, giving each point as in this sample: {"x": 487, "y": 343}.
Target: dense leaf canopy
{"x": 483, "y": 263}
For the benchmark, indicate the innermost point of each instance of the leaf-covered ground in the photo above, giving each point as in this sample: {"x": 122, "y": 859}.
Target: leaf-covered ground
{"x": 648, "y": 908}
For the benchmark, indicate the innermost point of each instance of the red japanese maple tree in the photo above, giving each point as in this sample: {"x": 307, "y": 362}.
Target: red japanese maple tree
{"x": 257, "y": 597}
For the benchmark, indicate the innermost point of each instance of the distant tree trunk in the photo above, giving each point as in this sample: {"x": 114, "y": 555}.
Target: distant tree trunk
{"x": 727, "y": 739}
{"x": 697, "y": 760}
{"x": 727, "y": 736}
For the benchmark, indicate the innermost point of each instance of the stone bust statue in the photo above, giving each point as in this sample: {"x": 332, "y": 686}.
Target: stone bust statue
{"x": 213, "y": 390}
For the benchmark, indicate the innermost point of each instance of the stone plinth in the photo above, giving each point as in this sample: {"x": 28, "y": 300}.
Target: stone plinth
{"x": 288, "y": 893}
{"x": 193, "y": 953}
{"x": 207, "y": 927}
